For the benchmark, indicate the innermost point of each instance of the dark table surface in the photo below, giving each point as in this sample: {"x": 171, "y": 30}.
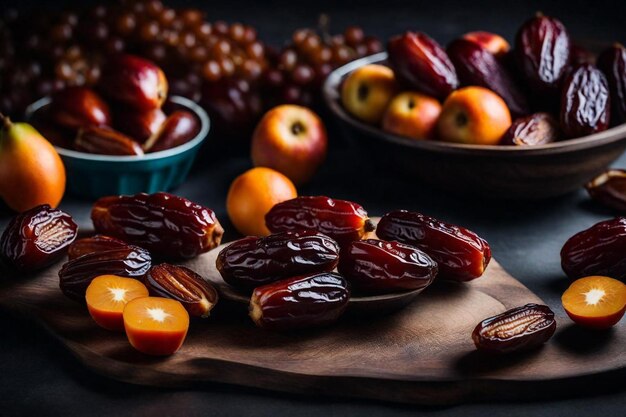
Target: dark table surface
{"x": 38, "y": 377}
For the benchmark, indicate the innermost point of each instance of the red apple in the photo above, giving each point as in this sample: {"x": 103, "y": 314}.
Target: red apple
{"x": 366, "y": 92}
{"x": 412, "y": 115}
{"x": 493, "y": 43}
{"x": 292, "y": 140}
{"x": 473, "y": 115}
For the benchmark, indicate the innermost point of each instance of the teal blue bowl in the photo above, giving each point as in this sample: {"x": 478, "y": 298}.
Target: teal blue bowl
{"x": 93, "y": 176}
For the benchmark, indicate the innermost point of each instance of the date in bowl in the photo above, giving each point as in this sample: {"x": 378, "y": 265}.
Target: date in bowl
{"x": 92, "y": 175}
{"x": 507, "y": 172}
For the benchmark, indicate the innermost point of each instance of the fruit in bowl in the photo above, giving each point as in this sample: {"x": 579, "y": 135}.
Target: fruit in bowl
{"x": 473, "y": 115}
{"x": 412, "y": 115}
{"x": 137, "y": 89}
{"x": 367, "y": 92}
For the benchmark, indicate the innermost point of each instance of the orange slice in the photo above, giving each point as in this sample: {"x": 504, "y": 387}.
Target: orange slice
{"x": 596, "y": 302}
{"x": 107, "y": 296}
{"x": 155, "y": 325}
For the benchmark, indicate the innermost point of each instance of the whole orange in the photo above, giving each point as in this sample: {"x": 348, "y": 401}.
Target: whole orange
{"x": 252, "y": 195}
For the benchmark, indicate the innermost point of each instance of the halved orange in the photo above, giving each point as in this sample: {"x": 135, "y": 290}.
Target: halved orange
{"x": 596, "y": 302}
{"x": 156, "y": 325}
{"x": 107, "y": 296}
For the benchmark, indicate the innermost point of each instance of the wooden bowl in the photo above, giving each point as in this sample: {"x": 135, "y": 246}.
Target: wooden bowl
{"x": 493, "y": 171}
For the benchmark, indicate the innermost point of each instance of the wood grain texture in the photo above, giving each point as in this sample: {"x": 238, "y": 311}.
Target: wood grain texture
{"x": 422, "y": 353}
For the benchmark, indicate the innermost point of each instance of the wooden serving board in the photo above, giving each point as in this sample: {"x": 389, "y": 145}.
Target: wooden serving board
{"x": 422, "y": 353}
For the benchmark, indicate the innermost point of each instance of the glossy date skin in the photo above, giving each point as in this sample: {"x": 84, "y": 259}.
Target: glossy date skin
{"x": 598, "y": 250}
{"x": 422, "y": 63}
{"x": 609, "y": 188}
{"x": 612, "y": 62}
{"x": 585, "y": 104}
{"x": 76, "y": 274}
{"x": 252, "y": 261}
{"x": 534, "y": 129}
{"x": 184, "y": 285}
{"x": 96, "y": 243}
{"x": 37, "y": 238}
{"x": 300, "y": 302}
{"x": 461, "y": 254}
{"x": 170, "y": 227}
{"x": 342, "y": 220}
{"x": 542, "y": 50}
{"x": 378, "y": 267}
{"x": 518, "y": 329}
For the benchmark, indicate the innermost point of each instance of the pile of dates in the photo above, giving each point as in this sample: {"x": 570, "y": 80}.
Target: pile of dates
{"x": 320, "y": 252}
{"x": 132, "y": 232}
{"x": 130, "y": 122}
{"x": 290, "y": 273}
{"x": 544, "y": 88}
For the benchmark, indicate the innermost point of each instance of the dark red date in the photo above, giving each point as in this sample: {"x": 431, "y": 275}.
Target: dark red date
{"x": 461, "y": 254}
{"x": 76, "y": 275}
{"x": 342, "y": 220}
{"x": 534, "y": 129}
{"x": 184, "y": 285}
{"x": 170, "y": 227}
{"x": 612, "y": 62}
{"x": 609, "y": 188}
{"x": 251, "y": 261}
{"x": 422, "y": 63}
{"x": 518, "y": 329}
{"x": 477, "y": 66}
{"x": 543, "y": 49}
{"x": 585, "y": 105}
{"x": 37, "y": 238}
{"x": 378, "y": 267}
{"x": 598, "y": 250}
{"x": 97, "y": 243}
{"x": 300, "y": 302}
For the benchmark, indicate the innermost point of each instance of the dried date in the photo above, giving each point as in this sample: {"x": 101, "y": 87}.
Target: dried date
{"x": 598, "y": 250}
{"x": 105, "y": 141}
{"x": 93, "y": 244}
{"x": 543, "y": 49}
{"x": 518, "y": 329}
{"x": 461, "y": 254}
{"x": 535, "y": 129}
{"x": 184, "y": 285}
{"x": 585, "y": 105}
{"x": 609, "y": 188}
{"x": 37, "y": 238}
{"x": 612, "y": 62}
{"x": 76, "y": 275}
{"x": 341, "y": 220}
{"x": 422, "y": 63}
{"x": 378, "y": 267}
{"x": 300, "y": 302}
{"x": 170, "y": 227}
{"x": 251, "y": 261}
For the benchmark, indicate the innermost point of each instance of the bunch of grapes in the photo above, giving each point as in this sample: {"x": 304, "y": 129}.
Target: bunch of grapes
{"x": 224, "y": 67}
{"x": 298, "y": 71}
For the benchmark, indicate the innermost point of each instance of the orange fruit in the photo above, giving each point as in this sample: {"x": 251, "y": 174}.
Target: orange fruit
{"x": 252, "y": 195}
{"x": 596, "y": 302}
{"x": 156, "y": 325}
{"x": 31, "y": 170}
{"x": 107, "y": 296}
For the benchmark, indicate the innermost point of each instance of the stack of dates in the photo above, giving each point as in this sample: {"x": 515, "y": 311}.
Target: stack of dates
{"x": 132, "y": 232}
{"x": 291, "y": 277}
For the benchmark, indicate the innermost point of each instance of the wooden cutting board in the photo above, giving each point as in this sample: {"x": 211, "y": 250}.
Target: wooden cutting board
{"x": 422, "y": 353}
